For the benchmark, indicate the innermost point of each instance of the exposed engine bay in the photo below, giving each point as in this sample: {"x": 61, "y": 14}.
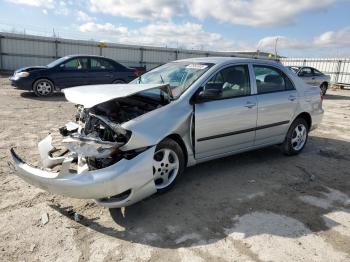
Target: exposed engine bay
{"x": 97, "y": 134}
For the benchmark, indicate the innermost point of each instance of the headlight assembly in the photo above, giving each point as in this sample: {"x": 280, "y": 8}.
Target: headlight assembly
{"x": 22, "y": 74}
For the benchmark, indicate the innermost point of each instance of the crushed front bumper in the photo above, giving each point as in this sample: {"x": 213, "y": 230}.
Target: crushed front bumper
{"x": 131, "y": 178}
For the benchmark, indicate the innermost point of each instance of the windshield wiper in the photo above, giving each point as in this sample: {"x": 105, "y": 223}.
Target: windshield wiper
{"x": 140, "y": 79}
{"x": 162, "y": 79}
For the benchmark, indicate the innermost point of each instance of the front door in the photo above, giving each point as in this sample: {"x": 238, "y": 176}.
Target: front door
{"x": 71, "y": 73}
{"x": 277, "y": 102}
{"x": 227, "y": 123}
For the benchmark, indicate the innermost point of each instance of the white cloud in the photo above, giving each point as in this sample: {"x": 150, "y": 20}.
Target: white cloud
{"x": 142, "y": 9}
{"x": 327, "y": 40}
{"x": 282, "y": 42}
{"x": 59, "y": 7}
{"x": 337, "y": 39}
{"x": 255, "y": 12}
{"x": 186, "y": 35}
{"x": 84, "y": 17}
{"x": 44, "y": 11}
{"x": 36, "y": 3}
{"x": 106, "y": 29}
{"x": 243, "y": 12}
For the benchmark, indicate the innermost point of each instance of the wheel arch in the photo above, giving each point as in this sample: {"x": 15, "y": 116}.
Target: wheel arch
{"x": 177, "y": 138}
{"x": 307, "y": 117}
{"x": 325, "y": 83}
{"x": 43, "y": 78}
{"x": 119, "y": 79}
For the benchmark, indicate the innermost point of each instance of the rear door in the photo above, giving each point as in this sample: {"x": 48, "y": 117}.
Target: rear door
{"x": 307, "y": 75}
{"x": 102, "y": 71}
{"x": 71, "y": 73}
{"x": 277, "y": 101}
{"x": 318, "y": 77}
{"x": 227, "y": 124}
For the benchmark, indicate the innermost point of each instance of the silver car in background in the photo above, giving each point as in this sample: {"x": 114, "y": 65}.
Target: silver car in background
{"x": 312, "y": 76}
{"x": 131, "y": 141}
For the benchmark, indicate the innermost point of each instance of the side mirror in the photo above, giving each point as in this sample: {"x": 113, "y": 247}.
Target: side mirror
{"x": 301, "y": 74}
{"x": 62, "y": 66}
{"x": 208, "y": 94}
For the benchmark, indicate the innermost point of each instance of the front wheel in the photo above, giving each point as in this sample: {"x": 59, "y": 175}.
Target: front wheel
{"x": 43, "y": 87}
{"x": 168, "y": 164}
{"x": 296, "y": 137}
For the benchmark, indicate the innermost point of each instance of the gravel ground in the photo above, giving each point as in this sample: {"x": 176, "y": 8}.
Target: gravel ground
{"x": 256, "y": 206}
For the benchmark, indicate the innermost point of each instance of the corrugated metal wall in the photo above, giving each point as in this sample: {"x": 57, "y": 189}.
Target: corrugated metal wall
{"x": 337, "y": 68}
{"x": 17, "y": 51}
{"x": 23, "y": 50}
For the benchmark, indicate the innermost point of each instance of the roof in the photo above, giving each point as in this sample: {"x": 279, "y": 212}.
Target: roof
{"x": 80, "y": 55}
{"x": 222, "y": 59}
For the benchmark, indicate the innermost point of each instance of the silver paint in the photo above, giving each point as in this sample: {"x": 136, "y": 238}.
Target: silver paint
{"x": 179, "y": 118}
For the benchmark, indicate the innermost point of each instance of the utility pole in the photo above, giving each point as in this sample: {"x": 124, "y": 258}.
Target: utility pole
{"x": 276, "y": 48}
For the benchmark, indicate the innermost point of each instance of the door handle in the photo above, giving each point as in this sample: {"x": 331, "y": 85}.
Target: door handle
{"x": 313, "y": 78}
{"x": 292, "y": 98}
{"x": 108, "y": 75}
{"x": 250, "y": 104}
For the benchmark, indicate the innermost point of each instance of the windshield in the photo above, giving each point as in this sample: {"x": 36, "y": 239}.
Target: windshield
{"x": 57, "y": 62}
{"x": 179, "y": 75}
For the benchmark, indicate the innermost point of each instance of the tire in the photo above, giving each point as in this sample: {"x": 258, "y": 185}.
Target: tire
{"x": 324, "y": 88}
{"x": 118, "y": 81}
{"x": 295, "y": 141}
{"x": 43, "y": 87}
{"x": 167, "y": 170}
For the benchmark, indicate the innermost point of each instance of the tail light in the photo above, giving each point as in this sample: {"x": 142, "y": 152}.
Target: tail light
{"x": 136, "y": 72}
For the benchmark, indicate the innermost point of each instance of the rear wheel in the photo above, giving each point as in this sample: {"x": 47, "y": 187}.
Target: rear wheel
{"x": 168, "y": 164}
{"x": 296, "y": 137}
{"x": 43, "y": 87}
{"x": 324, "y": 88}
{"x": 118, "y": 81}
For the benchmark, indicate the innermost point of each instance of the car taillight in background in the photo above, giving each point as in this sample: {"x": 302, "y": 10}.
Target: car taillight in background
{"x": 322, "y": 95}
{"x": 136, "y": 72}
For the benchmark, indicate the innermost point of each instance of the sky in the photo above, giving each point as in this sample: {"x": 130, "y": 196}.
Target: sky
{"x": 298, "y": 28}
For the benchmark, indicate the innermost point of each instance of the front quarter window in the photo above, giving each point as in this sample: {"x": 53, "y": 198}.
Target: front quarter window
{"x": 179, "y": 75}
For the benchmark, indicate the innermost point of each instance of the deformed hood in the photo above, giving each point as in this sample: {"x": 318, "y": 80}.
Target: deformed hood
{"x": 92, "y": 95}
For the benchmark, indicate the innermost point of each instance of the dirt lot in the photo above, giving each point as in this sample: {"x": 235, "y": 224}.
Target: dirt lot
{"x": 257, "y": 206}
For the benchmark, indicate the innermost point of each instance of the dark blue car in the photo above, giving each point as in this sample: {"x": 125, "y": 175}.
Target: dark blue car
{"x": 69, "y": 71}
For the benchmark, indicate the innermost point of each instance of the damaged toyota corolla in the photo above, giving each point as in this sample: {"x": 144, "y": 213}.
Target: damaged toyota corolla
{"x": 131, "y": 141}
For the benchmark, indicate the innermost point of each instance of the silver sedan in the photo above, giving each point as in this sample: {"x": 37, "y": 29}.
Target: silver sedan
{"x": 131, "y": 141}
{"x": 313, "y": 77}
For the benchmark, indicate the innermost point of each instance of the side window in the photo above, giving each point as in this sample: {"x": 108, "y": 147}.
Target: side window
{"x": 100, "y": 64}
{"x": 76, "y": 64}
{"x": 317, "y": 73}
{"x": 73, "y": 64}
{"x": 270, "y": 79}
{"x": 233, "y": 81}
{"x": 305, "y": 71}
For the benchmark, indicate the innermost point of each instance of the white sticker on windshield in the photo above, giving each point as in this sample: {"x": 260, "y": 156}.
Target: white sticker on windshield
{"x": 196, "y": 66}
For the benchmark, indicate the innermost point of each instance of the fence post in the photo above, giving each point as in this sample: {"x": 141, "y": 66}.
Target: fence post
{"x": 56, "y": 48}
{"x": 338, "y": 71}
{"x": 304, "y": 62}
{"x": 141, "y": 56}
{"x": 176, "y": 54}
{"x": 1, "y": 37}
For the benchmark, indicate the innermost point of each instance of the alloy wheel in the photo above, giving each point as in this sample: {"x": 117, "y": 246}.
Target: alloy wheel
{"x": 165, "y": 167}
{"x": 299, "y": 137}
{"x": 44, "y": 88}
